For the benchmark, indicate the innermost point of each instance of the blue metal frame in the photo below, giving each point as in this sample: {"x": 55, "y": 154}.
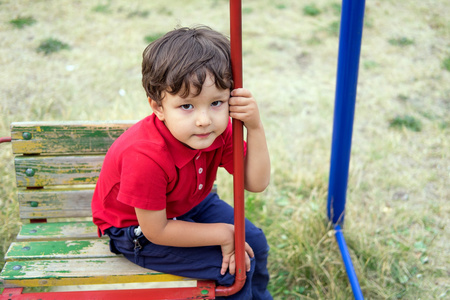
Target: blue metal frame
{"x": 350, "y": 36}
{"x": 348, "y": 263}
{"x": 347, "y": 79}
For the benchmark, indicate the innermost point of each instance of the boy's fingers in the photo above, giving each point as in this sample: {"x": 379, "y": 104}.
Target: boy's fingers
{"x": 229, "y": 262}
{"x": 249, "y": 250}
{"x": 248, "y": 253}
{"x": 244, "y": 107}
{"x": 232, "y": 265}
{"x": 238, "y": 109}
{"x": 241, "y": 92}
{"x": 247, "y": 262}
{"x": 238, "y": 101}
{"x": 225, "y": 263}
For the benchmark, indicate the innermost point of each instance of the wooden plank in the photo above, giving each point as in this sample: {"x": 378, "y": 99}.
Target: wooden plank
{"x": 35, "y": 171}
{"x": 59, "y": 249}
{"x": 55, "y": 203}
{"x": 57, "y": 230}
{"x": 54, "y": 255}
{"x": 79, "y": 272}
{"x": 65, "y": 137}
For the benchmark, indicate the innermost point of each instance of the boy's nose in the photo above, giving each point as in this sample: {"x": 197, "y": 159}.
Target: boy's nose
{"x": 203, "y": 119}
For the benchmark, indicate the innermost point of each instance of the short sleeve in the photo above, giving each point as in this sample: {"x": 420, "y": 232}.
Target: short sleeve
{"x": 143, "y": 181}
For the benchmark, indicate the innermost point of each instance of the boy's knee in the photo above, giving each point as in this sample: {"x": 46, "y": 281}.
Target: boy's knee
{"x": 257, "y": 240}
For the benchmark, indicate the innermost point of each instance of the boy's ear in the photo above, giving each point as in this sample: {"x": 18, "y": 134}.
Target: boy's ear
{"x": 157, "y": 109}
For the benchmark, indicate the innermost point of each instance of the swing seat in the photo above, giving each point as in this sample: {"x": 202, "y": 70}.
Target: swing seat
{"x": 57, "y": 165}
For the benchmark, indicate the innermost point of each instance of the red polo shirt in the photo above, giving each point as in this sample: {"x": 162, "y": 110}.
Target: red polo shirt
{"x": 147, "y": 168}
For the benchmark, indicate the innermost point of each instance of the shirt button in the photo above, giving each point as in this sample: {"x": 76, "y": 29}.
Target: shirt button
{"x": 200, "y": 186}
{"x": 197, "y": 157}
{"x": 200, "y": 171}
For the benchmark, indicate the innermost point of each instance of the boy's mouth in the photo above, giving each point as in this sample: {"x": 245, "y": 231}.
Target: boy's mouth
{"x": 203, "y": 135}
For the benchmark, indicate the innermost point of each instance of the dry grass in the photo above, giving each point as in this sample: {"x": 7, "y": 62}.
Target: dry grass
{"x": 397, "y": 206}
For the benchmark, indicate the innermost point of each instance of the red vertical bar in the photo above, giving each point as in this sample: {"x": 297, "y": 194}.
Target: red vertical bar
{"x": 238, "y": 155}
{"x": 238, "y": 141}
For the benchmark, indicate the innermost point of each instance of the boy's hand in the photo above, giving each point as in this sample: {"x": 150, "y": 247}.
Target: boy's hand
{"x": 229, "y": 258}
{"x": 244, "y": 108}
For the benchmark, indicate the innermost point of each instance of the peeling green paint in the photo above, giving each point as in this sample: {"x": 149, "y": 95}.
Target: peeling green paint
{"x": 9, "y": 273}
{"x": 53, "y": 252}
{"x": 42, "y": 249}
{"x": 57, "y": 229}
{"x": 75, "y": 137}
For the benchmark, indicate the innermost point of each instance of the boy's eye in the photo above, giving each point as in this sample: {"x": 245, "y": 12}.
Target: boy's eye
{"x": 187, "y": 106}
{"x": 216, "y": 103}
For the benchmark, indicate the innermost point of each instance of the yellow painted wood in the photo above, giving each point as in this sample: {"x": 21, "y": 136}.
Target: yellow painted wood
{"x": 55, "y": 203}
{"x": 65, "y": 137}
{"x": 58, "y": 231}
{"x": 35, "y": 171}
{"x": 79, "y": 272}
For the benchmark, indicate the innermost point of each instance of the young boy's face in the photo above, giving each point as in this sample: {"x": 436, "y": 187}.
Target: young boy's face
{"x": 195, "y": 121}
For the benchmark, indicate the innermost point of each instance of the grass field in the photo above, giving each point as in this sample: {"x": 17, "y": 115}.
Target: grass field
{"x": 80, "y": 60}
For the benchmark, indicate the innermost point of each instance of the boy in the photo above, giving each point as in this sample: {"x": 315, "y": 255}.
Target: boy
{"x": 153, "y": 194}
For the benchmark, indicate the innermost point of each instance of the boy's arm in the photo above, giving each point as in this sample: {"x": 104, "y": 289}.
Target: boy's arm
{"x": 257, "y": 162}
{"x": 159, "y": 230}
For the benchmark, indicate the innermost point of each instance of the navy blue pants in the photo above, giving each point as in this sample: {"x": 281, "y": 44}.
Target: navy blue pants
{"x": 199, "y": 262}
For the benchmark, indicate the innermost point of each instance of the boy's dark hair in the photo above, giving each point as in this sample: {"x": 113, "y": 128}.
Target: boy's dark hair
{"x": 184, "y": 57}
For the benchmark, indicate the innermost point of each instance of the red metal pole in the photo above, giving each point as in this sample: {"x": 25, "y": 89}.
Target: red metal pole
{"x": 5, "y": 140}
{"x": 203, "y": 290}
{"x": 238, "y": 155}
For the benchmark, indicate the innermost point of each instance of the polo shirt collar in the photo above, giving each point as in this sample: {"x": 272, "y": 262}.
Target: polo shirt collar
{"x": 181, "y": 153}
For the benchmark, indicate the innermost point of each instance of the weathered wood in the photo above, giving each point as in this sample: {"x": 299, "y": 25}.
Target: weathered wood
{"x": 55, "y": 203}
{"x": 58, "y": 250}
{"x": 65, "y": 137}
{"x": 57, "y": 165}
{"x": 79, "y": 271}
{"x": 36, "y": 171}
{"x": 57, "y": 231}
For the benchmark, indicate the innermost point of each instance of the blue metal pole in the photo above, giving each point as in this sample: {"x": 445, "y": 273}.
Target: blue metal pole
{"x": 347, "y": 78}
{"x": 348, "y": 263}
{"x": 350, "y": 36}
